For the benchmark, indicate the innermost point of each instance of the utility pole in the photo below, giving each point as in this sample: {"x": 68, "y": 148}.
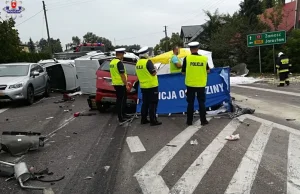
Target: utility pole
{"x": 166, "y": 34}
{"x": 49, "y": 41}
{"x": 297, "y": 14}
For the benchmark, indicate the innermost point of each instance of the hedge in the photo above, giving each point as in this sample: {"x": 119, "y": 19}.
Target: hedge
{"x": 25, "y": 57}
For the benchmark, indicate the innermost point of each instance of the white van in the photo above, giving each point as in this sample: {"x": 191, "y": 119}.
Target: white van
{"x": 87, "y": 66}
{"x": 62, "y": 73}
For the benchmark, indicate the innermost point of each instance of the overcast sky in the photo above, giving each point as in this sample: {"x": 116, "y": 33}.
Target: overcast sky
{"x": 121, "y": 21}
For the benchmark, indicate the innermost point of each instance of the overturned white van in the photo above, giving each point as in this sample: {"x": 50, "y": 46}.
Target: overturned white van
{"x": 62, "y": 73}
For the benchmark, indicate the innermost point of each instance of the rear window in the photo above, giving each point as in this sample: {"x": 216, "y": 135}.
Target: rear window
{"x": 130, "y": 68}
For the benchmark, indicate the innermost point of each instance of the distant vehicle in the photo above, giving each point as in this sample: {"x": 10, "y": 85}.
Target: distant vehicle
{"x": 23, "y": 81}
{"x": 106, "y": 94}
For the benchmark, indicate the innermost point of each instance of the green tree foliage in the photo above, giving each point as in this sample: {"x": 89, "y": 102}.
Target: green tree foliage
{"x": 44, "y": 46}
{"x": 129, "y": 48}
{"x": 166, "y": 44}
{"x": 76, "y": 40}
{"x": 9, "y": 41}
{"x": 90, "y": 37}
{"x": 292, "y": 49}
{"x": 276, "y": 15}
{"x": 31, "y": 46}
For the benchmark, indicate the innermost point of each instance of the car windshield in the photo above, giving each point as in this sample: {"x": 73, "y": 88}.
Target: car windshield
{"x": 130, "y": 68}
{"x": 13, "y": 70}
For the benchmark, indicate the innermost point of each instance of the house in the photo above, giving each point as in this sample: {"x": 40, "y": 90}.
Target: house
{"x": 288, "y": 20}
{"x": 24, "y": 48}
{"x": 190, "y": 33}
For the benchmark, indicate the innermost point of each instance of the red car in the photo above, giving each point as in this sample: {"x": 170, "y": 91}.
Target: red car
{"x": 106, "y": 94}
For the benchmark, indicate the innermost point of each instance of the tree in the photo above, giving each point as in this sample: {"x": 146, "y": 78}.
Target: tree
{"x": 276, "y": 14}
{"x": 175, "y": 40}
{"x": 76, "y": 40}
{"x": 31, "y": 46}
{"x": 292, "y": 49}
{"x": 9, "y": 41}
{"x": 90, "y": 37}
{"x": 44, "y": 46}
{"x": 250, "y": 9}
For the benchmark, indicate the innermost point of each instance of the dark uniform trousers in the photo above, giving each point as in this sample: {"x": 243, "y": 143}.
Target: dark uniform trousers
{"x": 284, "y": 78}
{"x": 190, "y": 97}
{"x": 150, "y": 102}
{"x": 121, "y": 93}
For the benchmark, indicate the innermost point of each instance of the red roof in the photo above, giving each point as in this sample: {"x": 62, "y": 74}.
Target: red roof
{"x": 288, "y": 20}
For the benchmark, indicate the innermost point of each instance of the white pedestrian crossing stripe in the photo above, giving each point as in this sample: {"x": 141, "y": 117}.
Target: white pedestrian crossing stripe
{"x": 242, "y": 181}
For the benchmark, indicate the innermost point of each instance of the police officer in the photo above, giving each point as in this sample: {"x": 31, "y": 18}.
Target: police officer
{"x": 148, "y": 81}
{"x": 283, "y": 69}
{"x": 119, "y": 81}
{"x": 195, "y": 67}
{"x": 175, "y": 62}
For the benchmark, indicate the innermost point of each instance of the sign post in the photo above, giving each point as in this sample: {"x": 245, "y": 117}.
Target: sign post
{"x": 265, "y": 39}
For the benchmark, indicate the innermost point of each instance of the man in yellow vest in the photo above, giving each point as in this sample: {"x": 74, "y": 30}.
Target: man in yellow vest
{"x": 195, "y": 68}
{"x": 119, "y": 81}
{"x": 283, "y": 69}
{"x": 148, "y": 81}
{"x": 175, "y": 62}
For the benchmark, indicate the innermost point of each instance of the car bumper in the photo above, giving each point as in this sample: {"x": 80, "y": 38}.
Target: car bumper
{"x": 111, "y": 98}
{"x": 12, "y": 95}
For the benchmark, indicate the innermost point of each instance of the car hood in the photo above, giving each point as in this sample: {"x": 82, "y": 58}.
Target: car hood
{"x": 11, "y": 80}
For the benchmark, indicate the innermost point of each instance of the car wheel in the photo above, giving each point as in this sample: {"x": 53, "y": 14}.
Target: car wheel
{"x": 30, "y": 95}
{"x": 102, "y": 107}
{"x": 47, "y": 90}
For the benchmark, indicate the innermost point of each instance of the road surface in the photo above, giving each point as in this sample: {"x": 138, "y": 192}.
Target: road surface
{"x": 96, "y": 155}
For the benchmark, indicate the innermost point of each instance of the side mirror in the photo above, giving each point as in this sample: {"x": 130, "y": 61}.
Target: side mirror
{"x": 35, "y": 73}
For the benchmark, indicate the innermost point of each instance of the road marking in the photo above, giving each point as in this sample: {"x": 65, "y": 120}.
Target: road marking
{"x": 135, "y": 144}
{"x": 148, "y": 176}
{"x": 193, "y": 176}
{"x": 269, "y": 90}
{"x": 3, "y": 110}
{"x": 293, "y": 168}
{"x": 244, "y": 176}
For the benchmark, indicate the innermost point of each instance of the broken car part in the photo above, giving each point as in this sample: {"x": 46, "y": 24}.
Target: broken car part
{"x": 19, "y": 143}
{"x": 6, "y": 169}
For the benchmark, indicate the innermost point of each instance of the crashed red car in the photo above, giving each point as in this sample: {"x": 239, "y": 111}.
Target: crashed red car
{"x": 106, "y": 94}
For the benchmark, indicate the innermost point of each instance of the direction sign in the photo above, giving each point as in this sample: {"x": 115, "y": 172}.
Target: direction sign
{"x": 266, "y": 38}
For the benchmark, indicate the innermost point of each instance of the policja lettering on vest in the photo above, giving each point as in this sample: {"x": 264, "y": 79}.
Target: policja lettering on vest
{"x": 195, "y": 67}
{"x": 148, "y": 81}
{"x": 119, "y": 81}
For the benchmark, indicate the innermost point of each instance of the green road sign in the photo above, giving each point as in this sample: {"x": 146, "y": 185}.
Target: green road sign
{"x": 266, "y": 38}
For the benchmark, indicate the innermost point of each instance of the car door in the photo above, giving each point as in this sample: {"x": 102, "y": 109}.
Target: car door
{"x": 35, "y": 80}
{"x": 42, "y": 77}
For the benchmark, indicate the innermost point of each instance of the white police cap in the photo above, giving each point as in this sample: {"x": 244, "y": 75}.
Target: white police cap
{"x": 120, "y": 50}
{"x": 143, "y": 50}
{"x": 193, "y": 44}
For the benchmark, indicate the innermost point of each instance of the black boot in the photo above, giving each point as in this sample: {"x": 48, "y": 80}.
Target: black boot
{"x": 155, "y": 123}
{"x": 144, "y": 121}
{"x": 205, "y": 122}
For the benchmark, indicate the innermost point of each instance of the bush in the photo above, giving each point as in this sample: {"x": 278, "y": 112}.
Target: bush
{"x": 292, "y": 49}
{"x": 26, "y": 57}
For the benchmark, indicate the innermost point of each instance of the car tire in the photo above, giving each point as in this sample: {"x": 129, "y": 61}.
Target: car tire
{"x": 102, "y": 108}
{"x": 30, "y": 95}
{"x": 47, "y": 90}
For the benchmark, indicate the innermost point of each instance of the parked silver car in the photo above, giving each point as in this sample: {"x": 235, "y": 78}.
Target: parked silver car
{"x": 23, "y": 81}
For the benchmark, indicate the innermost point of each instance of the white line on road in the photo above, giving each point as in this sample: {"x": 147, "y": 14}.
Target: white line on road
{"x": 135, "y": 144}
{"x": 3, "y": 110}
{"x": 148, "y": 176}
{"x": 244, "y": 176}
{"x": 193, "y": 176}
{"x": 269, "y": 90}
{"x": 293, "y": 168}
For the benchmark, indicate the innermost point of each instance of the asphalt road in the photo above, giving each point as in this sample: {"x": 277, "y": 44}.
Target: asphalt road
{"x": 96, "y": 155}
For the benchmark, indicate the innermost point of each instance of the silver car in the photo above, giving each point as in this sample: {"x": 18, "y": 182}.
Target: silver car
{"x": 23, "y": 81}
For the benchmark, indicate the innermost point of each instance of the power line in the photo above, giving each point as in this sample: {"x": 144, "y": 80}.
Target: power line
{"x": 29, "y": 18}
